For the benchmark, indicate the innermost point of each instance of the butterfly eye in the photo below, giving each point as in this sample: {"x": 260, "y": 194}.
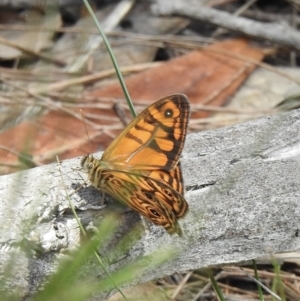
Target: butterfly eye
{"x": 90, "y": 166}
{"x": 168, "y": 113}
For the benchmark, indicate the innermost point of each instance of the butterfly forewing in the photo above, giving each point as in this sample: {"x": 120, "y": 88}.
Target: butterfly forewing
{"x": 154, "y": 139}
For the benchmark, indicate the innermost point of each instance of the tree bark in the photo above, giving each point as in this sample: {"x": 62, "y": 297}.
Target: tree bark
{"x": 243, "y": 191}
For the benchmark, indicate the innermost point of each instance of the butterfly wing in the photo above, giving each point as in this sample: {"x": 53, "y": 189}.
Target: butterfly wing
{"x": 170, "y": 184}
{"x": 148, "y": 196}
{"x": 167, "y": 187}
{"x": 153, "y": 140}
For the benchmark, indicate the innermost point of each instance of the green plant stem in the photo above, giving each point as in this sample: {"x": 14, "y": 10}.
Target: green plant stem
{"x": 113, "y": 59}
{"x": 215, "y": 285}
{"x": 261, "y": 297}
{"x": 84, "y": 233}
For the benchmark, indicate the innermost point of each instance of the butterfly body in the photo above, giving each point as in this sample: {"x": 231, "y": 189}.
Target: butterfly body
{"x": 141, "y": 168}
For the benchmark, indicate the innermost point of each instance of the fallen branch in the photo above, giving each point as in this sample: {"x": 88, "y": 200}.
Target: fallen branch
{"x": 243, "y": 191}
{"x": 281, "y": 34}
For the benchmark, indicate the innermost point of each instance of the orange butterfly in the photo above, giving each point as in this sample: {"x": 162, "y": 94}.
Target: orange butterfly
{"x": 141, "y": 167}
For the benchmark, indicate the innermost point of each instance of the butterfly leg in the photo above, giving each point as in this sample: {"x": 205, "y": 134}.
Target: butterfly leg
{"x": 79, "y": 188}
{"x": 102, "y": 198}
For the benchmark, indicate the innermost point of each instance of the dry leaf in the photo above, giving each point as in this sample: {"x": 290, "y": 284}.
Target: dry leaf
{"x": 32, "y": 40}
{"x": 198, "y": 74}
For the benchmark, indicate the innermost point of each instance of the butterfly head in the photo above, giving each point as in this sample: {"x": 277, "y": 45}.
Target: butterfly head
{"x": 88, "y": 162}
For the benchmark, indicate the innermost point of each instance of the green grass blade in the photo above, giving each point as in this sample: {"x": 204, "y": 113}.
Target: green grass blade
{"x": 261, "y": 297}
{"x": 215, "y": 285}
{"x": 104, "y": 235}
{"x": 277, "y": 285}
{"x": 113, "y": 59}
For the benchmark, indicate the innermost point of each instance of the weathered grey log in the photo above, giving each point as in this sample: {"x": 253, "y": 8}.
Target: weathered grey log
{"x": 243, "y": 189}
{"x": 278, "y": 33}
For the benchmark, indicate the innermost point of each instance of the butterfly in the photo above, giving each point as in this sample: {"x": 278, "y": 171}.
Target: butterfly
{"x": 141, "y": 167}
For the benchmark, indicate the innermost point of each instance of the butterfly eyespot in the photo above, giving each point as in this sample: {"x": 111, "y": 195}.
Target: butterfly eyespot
{"x": 169, "y": 113}
{"x": 167, "y": 192}
{"x": 148, "y": 195}
{"x": 154, "y": 212}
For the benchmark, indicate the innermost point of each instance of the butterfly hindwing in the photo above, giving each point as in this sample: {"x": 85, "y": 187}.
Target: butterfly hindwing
{"x": 145, "y": 195}
{"x": 171, "y": 184}
{"x": 166, "y": 186}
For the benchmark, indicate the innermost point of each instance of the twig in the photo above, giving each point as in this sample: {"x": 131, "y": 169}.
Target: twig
{"x": 91, "y": 78}
{"x": 32, "y": 53}
{"x": 238, "y": 12}
{"x": 95, "y": 41}
{"x": 275, "y": 32}
{"x": 270, "y": 17}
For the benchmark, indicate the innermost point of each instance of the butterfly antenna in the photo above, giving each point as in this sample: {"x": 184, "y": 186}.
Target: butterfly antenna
{"x": 87, "y": 133}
